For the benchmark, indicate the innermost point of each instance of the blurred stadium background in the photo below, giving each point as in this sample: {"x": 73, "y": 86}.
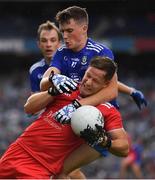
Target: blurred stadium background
{"x": 126, "y": 26}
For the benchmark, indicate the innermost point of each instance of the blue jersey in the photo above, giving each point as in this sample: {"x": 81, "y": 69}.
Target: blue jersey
{"x": 36, "y": 73}
{"x": 74, "y": 64}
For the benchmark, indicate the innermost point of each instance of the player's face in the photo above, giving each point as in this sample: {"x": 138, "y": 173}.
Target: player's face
{"x": 74, "y": 34}
{"x": 92, "y": 82}
{"x": 48, "y": 43}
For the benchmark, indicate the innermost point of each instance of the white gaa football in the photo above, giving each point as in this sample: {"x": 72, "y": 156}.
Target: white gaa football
{"x": 86, "y": 116}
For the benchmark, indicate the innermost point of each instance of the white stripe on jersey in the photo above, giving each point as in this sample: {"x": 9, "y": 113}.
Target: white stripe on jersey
{"x": 96, "y": 46}
{"x": 62, "y": 47}
{"x": 108, "y": 105}
{"x": 99, "y": 45}
{"x": 93, "y": 49}
{"x": 37, "y": 64}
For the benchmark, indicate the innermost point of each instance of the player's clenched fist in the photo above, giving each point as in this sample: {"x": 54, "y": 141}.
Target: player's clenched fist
{"x": 96, "y": 137}
{"x": 62, "y": 83}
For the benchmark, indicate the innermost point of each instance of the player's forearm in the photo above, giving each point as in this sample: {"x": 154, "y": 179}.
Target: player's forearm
{"x": 81, "y": 156}
{"x": 100, "y": 97}
{"x": 124, "y": 88}
{"x": 120, "y": 147}
{"x": 37, "y": 102}
{"x": 45, "y": 84}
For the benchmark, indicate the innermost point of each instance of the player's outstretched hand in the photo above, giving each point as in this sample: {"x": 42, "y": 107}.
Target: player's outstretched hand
{"x": 63, "y": 83}
{"x": 93, "y": 137}
{"x": 139, "y": 98}
{"x": 64, "y": 115}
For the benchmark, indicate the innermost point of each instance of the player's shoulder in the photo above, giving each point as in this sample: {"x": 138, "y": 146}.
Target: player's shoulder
{"x": 106, "y": 105}
{"x": 107, "y": 108}
{"x": 109, "y": 111}
{"x": 96, "y": 46}
{"x": 36, "y": 65}
{"x": 99, "y": 49}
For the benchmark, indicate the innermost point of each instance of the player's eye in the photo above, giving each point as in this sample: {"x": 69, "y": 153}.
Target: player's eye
{"x": 70, "y": 30}
{"x": 43, "y": 40}
{"x": 53, "y": 40}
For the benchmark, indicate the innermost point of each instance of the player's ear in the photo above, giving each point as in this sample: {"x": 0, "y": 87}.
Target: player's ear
{"x": 85, "y": 28}
{"x": 106, "y": 83}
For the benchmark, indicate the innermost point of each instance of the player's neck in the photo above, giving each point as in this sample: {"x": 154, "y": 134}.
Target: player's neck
{"x": 82, "y": 45}
{"x": 48, "y": 60}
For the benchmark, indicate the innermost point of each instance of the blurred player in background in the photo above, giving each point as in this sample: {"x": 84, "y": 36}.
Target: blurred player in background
{"x": 49, "y": 40}
{"x": 133, "y": 160}
{"x": 41, "y": 150}
{"x": 73, "y": 58}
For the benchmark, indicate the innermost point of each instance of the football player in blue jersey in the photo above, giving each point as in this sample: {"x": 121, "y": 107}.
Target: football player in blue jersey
{"x": 72, "y": 60}
{"x": 49, "y": 40}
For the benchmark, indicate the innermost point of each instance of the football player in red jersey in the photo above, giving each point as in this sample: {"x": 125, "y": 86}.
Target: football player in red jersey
{"x": 42, "y": 148}
{"x": 133, "y": 160}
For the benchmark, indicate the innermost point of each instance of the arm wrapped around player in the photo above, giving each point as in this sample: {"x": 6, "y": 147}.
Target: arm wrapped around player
{"x": 96, "y": 137}
{"x": 63, "y": 83}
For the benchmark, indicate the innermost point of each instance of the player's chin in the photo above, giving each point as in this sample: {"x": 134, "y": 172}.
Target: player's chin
{"x": 85, "y": 93}
{"x": 69, "y": 46}
{"x": 48, "y": 56}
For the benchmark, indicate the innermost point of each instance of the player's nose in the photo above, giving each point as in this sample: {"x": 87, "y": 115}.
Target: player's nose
{"x": 65, "y": 35}
{"x": 48, "y": 43}
{"x": 88, "y": 82}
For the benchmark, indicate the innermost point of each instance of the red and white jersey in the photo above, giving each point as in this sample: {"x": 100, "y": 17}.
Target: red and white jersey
{"x": 112, "y": 117}
{"x": 50, "y": 142}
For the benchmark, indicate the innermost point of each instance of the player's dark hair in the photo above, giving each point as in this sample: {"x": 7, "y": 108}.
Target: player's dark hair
{"x": 105, "y": 64}
{"x": 74, "y": 12}
{"x": 48, "y": 25}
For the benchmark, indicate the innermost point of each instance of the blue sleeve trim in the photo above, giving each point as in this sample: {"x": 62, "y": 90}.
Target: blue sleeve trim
{"x": 103, "y": 151}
